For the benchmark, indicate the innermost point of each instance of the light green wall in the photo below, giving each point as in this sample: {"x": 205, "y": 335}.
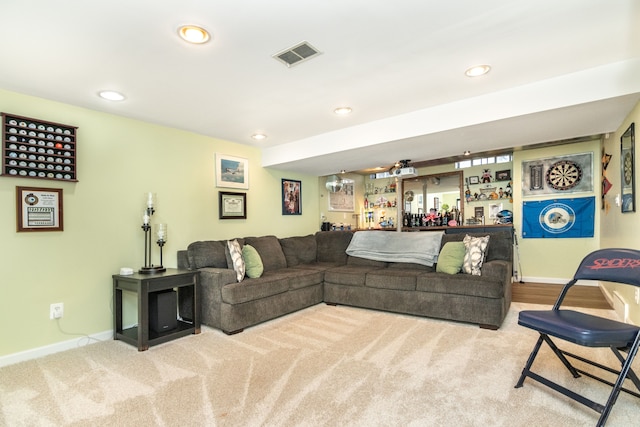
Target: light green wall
{"x": 620, "y": 230}
{"x": 549, "y": 260}
{"x": 118, "y": 161}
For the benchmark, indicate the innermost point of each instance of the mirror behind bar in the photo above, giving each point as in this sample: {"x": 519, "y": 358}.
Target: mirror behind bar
{"x": 437, "y": 191}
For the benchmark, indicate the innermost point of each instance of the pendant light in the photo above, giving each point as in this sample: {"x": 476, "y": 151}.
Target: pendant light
{"x": 334, "y": 183}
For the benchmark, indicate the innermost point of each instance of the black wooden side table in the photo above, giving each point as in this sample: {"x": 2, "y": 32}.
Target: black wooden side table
{"x": 145, "y": 284}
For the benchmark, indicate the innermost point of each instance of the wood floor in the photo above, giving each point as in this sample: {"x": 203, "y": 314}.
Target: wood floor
{"x": 545, "y": 293}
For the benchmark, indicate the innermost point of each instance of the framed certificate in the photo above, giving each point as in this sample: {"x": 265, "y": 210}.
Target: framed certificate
{"x": 232, "y": 205}
{"x": 39, "y": 209}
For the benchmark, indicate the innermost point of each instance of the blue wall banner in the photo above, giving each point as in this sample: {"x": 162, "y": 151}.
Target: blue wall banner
{"x": 558, "y": 218}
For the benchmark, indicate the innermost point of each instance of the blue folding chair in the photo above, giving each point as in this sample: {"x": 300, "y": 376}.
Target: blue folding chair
{"x": 607, "y": 265}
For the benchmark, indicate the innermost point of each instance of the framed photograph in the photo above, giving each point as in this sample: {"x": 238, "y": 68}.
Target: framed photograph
{"x": 39, "y": 209}
{"x": 291, "y": 197}
{"x": 628, "y": 169}
{"x": 474, "y": 180}
{"x": 232, "y": 172}
{"x": 478, "y": 211}
{"x": 232, "y": 205}
{"x": 504, "y": 175}
{"x": 494, "y": 209}
{"x": 343, "y": 200}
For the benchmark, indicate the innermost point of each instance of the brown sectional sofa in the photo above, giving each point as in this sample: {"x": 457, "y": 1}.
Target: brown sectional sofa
{"x": 305, "y": 270}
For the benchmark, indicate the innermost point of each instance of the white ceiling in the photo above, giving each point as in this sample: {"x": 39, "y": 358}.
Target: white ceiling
{"x": 560, "y": 70}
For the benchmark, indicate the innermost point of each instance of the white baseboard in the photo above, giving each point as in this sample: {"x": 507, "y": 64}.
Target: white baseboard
{"x": 556, "y": 281}
{"x": 34, "y": 353}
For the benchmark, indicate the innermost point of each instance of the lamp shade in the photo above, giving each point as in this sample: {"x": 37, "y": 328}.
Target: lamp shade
{"x": 334, "y": 183}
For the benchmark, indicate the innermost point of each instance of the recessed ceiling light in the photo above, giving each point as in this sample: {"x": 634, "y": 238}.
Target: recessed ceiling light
{"x": 477, "y": 70}
{"x": 111, "y": 95}
{"x": 467, "y": 152}
{"x": 194, "y": 34}
{"x": 342, "y": 111}
{"x": 259, "y": 136}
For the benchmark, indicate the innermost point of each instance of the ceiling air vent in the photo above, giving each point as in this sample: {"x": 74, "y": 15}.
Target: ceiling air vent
{"x": 297, "y": 54}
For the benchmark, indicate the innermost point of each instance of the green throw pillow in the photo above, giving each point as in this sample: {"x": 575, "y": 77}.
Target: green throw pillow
{"x": 252, "y": 261}
{"x": 450, "y": 258}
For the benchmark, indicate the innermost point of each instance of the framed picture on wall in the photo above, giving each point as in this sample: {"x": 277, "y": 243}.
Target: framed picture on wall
{"x": 628, "y": 169}
{"x": 504, "y": 175}
{"x": 39, "y": 209}
{"x": 232, "y": 172}
{"x": 291, "y": 197}
{"x": 232, "y": 205}
{"x": 343, "y": 200}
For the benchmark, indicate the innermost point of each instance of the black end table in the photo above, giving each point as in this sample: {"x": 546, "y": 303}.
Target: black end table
{"x": 186, "y": 281}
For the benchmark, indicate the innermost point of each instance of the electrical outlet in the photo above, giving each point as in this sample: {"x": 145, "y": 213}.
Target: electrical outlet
{"x": 637, "y": 295}
{"x": 56, "y": 311}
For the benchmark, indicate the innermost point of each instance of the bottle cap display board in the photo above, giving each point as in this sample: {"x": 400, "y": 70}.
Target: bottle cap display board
{"x": 38, "y": 149}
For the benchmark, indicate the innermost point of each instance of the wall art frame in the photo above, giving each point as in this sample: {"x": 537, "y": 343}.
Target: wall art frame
{"x": 504, "y": 175}
{"x": 39, "y": 209}
{"x": 628, "y": 170}
{"x": 343, "y": 200}
{"x": 232, "y": 205}
{"x": 231, "y": 172}
{"x": 291, "y": 197}
{"x": 572, "y": 173}
{"x": 474, "y": 179}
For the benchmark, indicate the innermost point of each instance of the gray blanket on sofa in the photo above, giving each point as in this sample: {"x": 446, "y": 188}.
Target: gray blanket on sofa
{"x": 390, "y": 246}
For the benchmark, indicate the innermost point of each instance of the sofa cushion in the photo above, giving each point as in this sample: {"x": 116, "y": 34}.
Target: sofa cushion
{"x": 500, "y": 246}
{"x": 460, "y": 284}
{"x": 332, "y": 246}
{"x": 236, "y": 259}
{"x": 404, "y": 280}
{"x": 352, "y": 275}
{"x": 451, "y": 258}
{"x": 270, "y": 283}
{"x": 226, "y": 251}
{"x": 475, "y": 248}
{"x": 270, "y": 251}
{"x": 207, "y": 254}
{"x": 305, "y": 277}
{"x": 409, "y": 266}
{"x": 299, "y": 250}
{"x": 252, "y": 262}
{"x": 354, "y": 260}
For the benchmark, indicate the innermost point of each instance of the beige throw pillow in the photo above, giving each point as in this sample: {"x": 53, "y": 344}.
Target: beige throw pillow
{"x": 236, "y": 258}
{"x": 475, "y": 248}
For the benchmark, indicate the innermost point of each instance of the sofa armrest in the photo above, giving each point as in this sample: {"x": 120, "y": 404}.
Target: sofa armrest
{"x": 497, "y": 269}
{"x": 211, "y": 282}
{"x": 183, "y": 260}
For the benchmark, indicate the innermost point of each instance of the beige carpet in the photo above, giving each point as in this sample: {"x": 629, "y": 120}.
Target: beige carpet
{"x": 323, "y": 366}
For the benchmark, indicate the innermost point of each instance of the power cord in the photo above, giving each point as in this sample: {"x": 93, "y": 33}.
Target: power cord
{"x": 82, "y": 335}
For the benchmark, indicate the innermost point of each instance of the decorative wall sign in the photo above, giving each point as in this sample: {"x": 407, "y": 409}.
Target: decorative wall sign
{"x": 291, "y": 197}
{"x": 232, "y": 205}
{"x": 628, "y": 169}
{"x": 343, "y": 200}
{"x": 558, "y": 175}
{"x": 558, "y": 218}
{"x": 232, "y": 172}
{"x": 39, "y": 209}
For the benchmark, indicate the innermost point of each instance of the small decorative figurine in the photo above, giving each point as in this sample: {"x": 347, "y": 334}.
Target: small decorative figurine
{"x": 486, "y": 175}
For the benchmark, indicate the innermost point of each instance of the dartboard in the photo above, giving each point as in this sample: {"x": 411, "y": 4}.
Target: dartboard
{"x": 628, "y": 168}
{"x": 564, "y": 175}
